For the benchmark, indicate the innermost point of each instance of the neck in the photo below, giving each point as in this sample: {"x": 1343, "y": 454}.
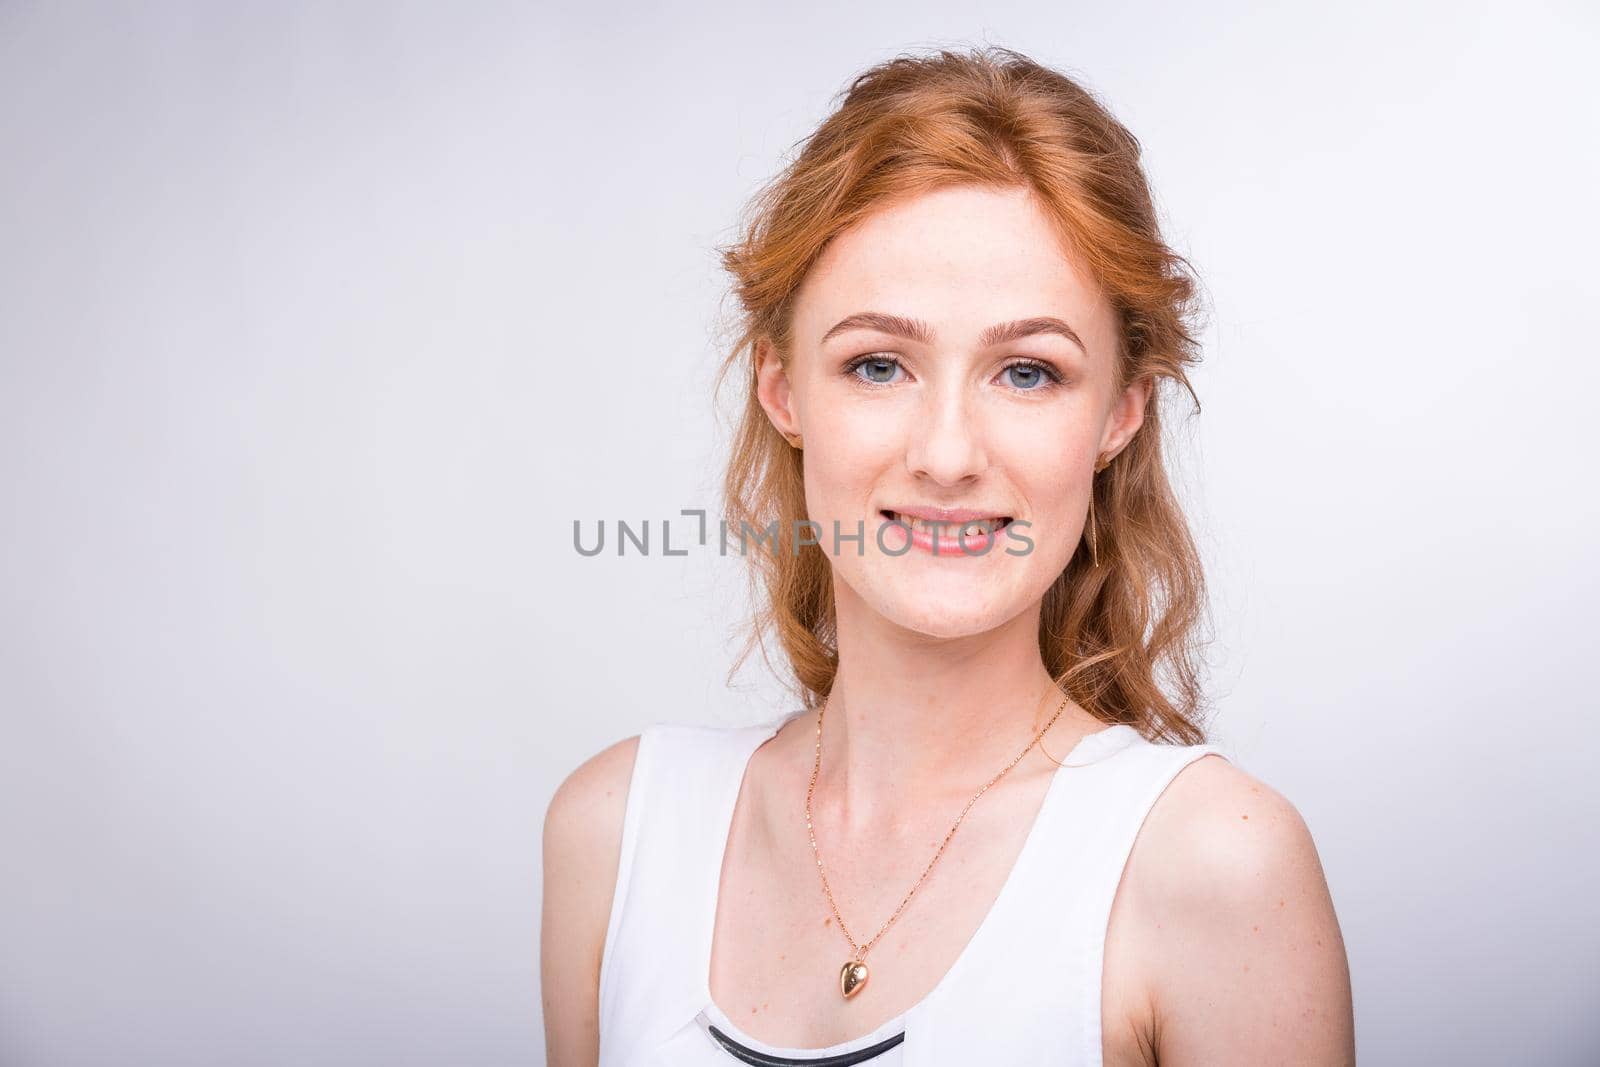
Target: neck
{"x": 910, "y": 716}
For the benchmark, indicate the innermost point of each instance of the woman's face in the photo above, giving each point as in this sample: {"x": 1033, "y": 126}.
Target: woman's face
{"x": 950, "y": 359}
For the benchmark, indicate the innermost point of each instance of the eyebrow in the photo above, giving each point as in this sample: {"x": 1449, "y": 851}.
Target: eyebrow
{"x": 917, "y": 330}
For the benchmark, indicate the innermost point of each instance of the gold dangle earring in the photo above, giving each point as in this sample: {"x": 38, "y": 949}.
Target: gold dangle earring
{"x": 1101, "y": 463}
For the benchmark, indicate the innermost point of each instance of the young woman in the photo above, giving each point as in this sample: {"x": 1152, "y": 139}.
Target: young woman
{"x": 988, "y": 836}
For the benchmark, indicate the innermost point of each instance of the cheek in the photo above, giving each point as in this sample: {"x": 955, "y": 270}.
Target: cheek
{"x": 870, "y": 423}
{"x": 1049, "y": 470}
{"x": 837, "y": 481}
{"x": 849, "y": 447}
{"x": 1041, "y": 454}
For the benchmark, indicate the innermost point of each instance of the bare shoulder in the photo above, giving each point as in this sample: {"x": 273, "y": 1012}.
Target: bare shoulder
{"x": 583, "y": 826}
{"x": 596, "y": 790}
{"x": 1215, "y": 826}
{"x": 1238, "y": 946}
{"x": 582, "y": 852}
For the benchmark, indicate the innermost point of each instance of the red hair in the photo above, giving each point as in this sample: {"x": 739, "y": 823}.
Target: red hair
{"x": 988, "y": 117}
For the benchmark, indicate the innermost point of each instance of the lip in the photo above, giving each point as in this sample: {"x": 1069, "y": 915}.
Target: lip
{"x": 946, "y": 514}
{"x": 952, "y": 541}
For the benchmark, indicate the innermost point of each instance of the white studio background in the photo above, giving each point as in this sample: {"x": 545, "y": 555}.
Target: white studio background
{"x": 322, "y": 323}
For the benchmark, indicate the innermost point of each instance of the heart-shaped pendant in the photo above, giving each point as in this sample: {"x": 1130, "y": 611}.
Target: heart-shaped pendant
{"x": 852, "y": 976}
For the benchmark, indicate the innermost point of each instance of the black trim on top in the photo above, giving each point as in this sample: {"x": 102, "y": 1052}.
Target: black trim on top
{"x": 761, "y": 1059}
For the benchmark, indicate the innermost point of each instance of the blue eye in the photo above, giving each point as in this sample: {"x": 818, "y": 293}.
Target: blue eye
{"x": 1029, "y": 376}
{"x": 877, "y": 370}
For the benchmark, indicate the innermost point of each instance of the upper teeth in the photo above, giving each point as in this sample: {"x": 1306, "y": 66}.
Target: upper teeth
{"x": 972, "y": 527}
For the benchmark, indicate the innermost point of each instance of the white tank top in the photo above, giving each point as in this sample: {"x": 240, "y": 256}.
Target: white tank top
{"x": 1025, "y": 989}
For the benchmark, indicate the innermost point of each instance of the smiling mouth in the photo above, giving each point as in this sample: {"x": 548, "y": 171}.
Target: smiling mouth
{"x": 971, "y": 527}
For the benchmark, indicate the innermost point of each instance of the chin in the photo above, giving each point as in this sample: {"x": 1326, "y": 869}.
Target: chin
{"x": 950, "y": 616}
{"x": 945, "y": 603}
{"x": 945, "y": 628}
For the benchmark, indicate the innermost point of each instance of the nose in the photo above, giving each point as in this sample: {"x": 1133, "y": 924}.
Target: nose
{"x": 946, "y": 444}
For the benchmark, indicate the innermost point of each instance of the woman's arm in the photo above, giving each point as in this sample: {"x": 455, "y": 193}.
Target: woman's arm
{"x": 1242, "y": 951}
{"x": 582, "y": 849}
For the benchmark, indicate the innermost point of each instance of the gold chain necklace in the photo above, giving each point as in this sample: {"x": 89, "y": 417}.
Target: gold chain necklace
{"x": 853, "y": 975}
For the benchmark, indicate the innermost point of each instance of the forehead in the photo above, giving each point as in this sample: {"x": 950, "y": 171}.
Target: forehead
{"x": 960, "y": 258}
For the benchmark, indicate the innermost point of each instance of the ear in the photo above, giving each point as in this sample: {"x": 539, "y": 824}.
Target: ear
{"x": 1126, "y": 416}
{"x": 772, "y": 388}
